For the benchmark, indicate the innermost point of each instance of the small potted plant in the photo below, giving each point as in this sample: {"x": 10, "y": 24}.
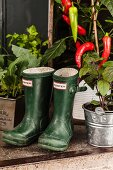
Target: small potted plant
{"x": 99, "y": 113}
{"x": 96, "y": 69}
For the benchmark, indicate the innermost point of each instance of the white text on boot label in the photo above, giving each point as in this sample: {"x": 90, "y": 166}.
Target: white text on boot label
{"x": 60, "y": 86}
{"x": 27, "y": 83}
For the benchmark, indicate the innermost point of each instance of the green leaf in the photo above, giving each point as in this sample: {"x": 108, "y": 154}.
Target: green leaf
{"x": 109, "y": 21}
{"x": 19, "y": 51}
{"x": 15, "y": 35}
{"x": 83, "y": 71}
{"x": 109, "y": 5}
{"x": 23, "y": 56}
{"x": 32, "y": 30}
{"x": 1, "y": 60}
{"x": 24, "y": 37}
{"x": 45, "y": 43}
{"x": 34, "y": 62}
{"x": 55, "y": 51}
{"x": 2, "y": 72}
{"x": 8, "y": 35}
{"x": 103, "y": 87}
{"x": 34, "y": 43}
{"x": 90, "y": 80}
{"x": 95, "y": 102}
{"x": 108, "y": 74}
{"x": 108, "y": 64}
{"x": 58, "y": 1}
{"x": 91, "y": 58}
{"x": 109, "y": 97}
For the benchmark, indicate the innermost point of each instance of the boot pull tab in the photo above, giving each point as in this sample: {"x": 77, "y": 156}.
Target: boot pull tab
{"x": 81, "y": 89}
{"x": 72, "y": 89}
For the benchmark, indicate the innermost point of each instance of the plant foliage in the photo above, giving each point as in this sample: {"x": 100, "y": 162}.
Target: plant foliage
{"x": 109, "y": 5}
{"x": 27, "y": 53}
{"x": 55, "y": 51}
{"x": 97, "y": 77}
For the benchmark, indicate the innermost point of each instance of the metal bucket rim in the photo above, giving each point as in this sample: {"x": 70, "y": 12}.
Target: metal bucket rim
{"x": 12, "y": 99}
{"x": 83, "y": 106}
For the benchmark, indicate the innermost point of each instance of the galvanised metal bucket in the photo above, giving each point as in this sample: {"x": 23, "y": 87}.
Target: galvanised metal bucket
{"x": 99, "y": 127}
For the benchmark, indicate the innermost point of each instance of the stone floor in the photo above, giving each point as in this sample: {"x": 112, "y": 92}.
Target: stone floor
{"x": 8, "y": 152}
{"x": 11, "y": 156}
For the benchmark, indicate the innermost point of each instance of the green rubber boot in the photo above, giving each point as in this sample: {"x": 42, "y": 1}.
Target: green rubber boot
{"x": 38, "y": 87}
{"x": 57, "y": 135}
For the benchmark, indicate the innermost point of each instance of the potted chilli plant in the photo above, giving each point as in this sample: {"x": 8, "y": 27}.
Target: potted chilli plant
{"x": 96, "y": 71}
{"x": 93, "y": 57}
{"x": 27, "y": 50}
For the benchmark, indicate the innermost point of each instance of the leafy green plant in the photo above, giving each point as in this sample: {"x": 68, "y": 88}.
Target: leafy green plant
{"x": 99, "y": 78}
{"x": 30, "y": 40}
{"x": 26, "y": 53}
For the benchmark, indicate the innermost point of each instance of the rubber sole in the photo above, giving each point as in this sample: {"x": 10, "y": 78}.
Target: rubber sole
{"x": 47, "y": 147}
{"x": 20, "y": 143}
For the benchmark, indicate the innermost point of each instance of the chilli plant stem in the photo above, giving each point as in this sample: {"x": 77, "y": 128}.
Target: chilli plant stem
{"x": 99, "y": 97}
{"x": 103, "y": 100}
{"x": 94, "y": 15}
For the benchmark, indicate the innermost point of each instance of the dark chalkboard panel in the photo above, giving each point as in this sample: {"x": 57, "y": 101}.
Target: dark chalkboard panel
{"x": 16, "y": 15}
{"x": 1, "y": 21}
{"x": 0, "y": 18}
{"x": 23, "y": 13}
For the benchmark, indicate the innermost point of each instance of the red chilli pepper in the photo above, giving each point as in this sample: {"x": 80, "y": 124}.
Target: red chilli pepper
{"x": 66, "y": 5}
{"x": 77, "y": 44}
{"x": 107, "y": 48}
{"x": 64, "y": 2}
{"x": 66, "y": 19}
{"x": 81, "y": 30}
{"x": 88, "y": 46}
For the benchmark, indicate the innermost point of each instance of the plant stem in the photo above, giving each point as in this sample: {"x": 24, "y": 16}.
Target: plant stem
{"x": 103, "y": 99}
{"x": 99, "y": 96}
{"x": 95, "y": 14}
{"x": 111, "y": 31}
{"x": 50, "y": 27}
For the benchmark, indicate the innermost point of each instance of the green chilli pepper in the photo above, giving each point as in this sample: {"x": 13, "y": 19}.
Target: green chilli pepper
{"x": 73, "y": 16}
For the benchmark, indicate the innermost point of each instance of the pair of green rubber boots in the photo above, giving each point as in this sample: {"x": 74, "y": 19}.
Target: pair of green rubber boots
{"x": 54, "y": 134}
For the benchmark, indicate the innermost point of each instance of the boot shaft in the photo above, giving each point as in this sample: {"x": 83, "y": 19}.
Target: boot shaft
{"x": 60, "y": 130}
{"x": 37, "y": 88}
{"x": 65, "y": 87}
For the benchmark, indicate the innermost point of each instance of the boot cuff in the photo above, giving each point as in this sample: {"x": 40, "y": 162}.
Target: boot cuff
{"x": 40, "y": 71}
{"x": 65, "y": 73}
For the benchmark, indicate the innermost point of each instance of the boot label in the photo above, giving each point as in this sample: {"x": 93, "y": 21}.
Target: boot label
{"x": 59, "y": 86}
{"x": 27, "y": 83}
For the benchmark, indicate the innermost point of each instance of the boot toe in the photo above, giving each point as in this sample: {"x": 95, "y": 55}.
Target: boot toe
{"x": 14, "y": 138}
{"x": 52, "y": 143}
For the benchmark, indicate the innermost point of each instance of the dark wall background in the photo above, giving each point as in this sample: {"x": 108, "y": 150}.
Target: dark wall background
{"x": 23, "y": 13}
{"x": 0, "y": 17}
{"x": 16, "y": 15}
{"x": 1, "y": 20}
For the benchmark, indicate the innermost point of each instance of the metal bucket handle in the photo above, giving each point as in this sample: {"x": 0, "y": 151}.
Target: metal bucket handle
{"x": 100, "y": 112}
